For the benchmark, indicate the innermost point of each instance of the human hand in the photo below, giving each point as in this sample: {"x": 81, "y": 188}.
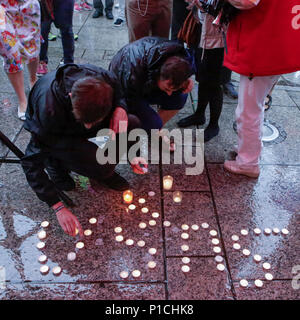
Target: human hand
{"x": 135, "y": 165}
{"x": 189, "y": 86}
{"x": 69, "y": 222}
{"x": 119, "y": 115}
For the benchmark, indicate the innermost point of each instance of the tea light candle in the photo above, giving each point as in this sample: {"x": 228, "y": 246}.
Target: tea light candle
{"x": 76, "y": 231}
{"x": 269, "y": 276}
{"x": 244, "y": 232}
{"x": 246, "y": 252}
{"x": 142, "y": 225}
{"x": 136, "y": 273}
{"x": 276, "y": 230}
{"x": 92, "y": 220}
{"x": 267, "y": 231}
{"x": 142, "y": 200}
{"x": 185, "y": 247}
{"x": 221, "y": 267}
{"x": 213, "y": 233}
{"x": 42, "y": 235}
{"x": 217, "y": 249}
{"x": 79, "y": 245}
{"x": 218, "y": 259}
{"x": 43, "y": 258}
{"x": 41, "y": 245}
{"x": 151, "y": 193}
{"x": 152, "y": 223}
{"x": 45, "y": 224}
{"x": 145, "y": 210}
{"x": 257, "y": 231}
{"x": 257, "y": 258}
{"x": 56, "y": 270}
{"x": 195, "y": 227}
{"x": 141, "y": 243}
{"x": 285, "y": 231}
{"x": 129, "y": 242}
{"x": 258, "y": 283}
{"x": 266, "y": 266}
{"x": 215, "y": 241}
{"x": 167, "y": 223}
{"x": 235, "y": 238}
{"x": 155, "y": 215}
{"x": 119, "y": 238}
{"x": 44, "y": 269}
{"x": 131, "y": 208}
{"x": 87, "y": 232}
{"x": 167, "y": 182}
{"x": 152, "y": 251}
{"x": 127, "y": 196}
{"x": 118, "y": 230}
{"x": 185, "y": 227}
{"x": 244, "y": 283}
{"x": 151, "y": 264}
{"x": 71, "y": 256}
{"x": 236, "y": 246}
{"x": 186, "y": 260}
{"x": 185, "y": 268}
{"x": 124, "y": 274}
{"x": 204, "y": 225}
{"x": 177, "y": 196}
{"x": 185, "y": 236}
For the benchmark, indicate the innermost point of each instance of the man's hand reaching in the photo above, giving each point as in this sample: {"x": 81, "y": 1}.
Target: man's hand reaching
{"x": 119, "y": 115}
{"x": 69, "y": 222}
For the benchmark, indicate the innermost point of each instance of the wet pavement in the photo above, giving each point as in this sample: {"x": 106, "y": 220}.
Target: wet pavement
{"x": 226, "y": 202}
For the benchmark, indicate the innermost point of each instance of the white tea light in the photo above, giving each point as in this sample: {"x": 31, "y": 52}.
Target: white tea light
{"x": 43, "y": 258}
{"x": 236, "y": 246}
{"x": 141, "y": 243}
{"x": 142, "y": 225}
{"x": 213, "y": 233}
{"x": 246, "y": 252}
{"x": 87, "y": 232}
{"x": 145, "y": 210}
{"x": 118, "y": 230}
{"x": 167, "y": 224}
{"x": 257, "y": 258}
{"x": 195, "y": 227}
{"x": 155, "y": 215}
{"x": 44, "y": 269}
{"x": 285, "y": 231}
{"x": 269, "y": 276}
{"x": 119, "y": 238}
{"x": 221, "y": 267}
{"x": 124, "y": 274}
{"x": 235, "y": 238}
{"x": 129, "y": 242}
{"x": 267, "y": 231}
{"x": 136, "y": 273}
{"x": 186, "y": 260}
{"x": 151, "y": 264}
{"x": 131, "y": 208}
{"x": 185, "y": 236}
{"x": 266, "y": 266}
{"x": 152, "y": 223}
{"x": 217, "y": 249}
{"x": 185, "y": 227}
{"x": 219, "y": 259}
{"x": 185, "y": 268}
{"x": 45, "y": 224}
{"x": 79, "y": 245}
{"x": 41, "y": 245}
{"x": 258, "y": 283}
{"x": 276, "y": 230}
{"x": 257, "y": 231}
{"x": 92, "y": 220}
{"x": 71, "y": 256}
{"x": 244, "y": 232}
{"x": 142, "y": 200}
{"x": 204, "y": 225}
{"x": 151, "y": 193}
{"x": 42, "y": 234}
{"x": 56, "y": 270}
{"x": 244, "y": 283}
{"x": 152, "y": 251}
{"x": 185, "y": 247}
{"x": 215, "y": 241}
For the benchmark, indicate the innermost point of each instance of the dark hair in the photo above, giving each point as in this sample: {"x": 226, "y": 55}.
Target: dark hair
{"x": 177, "y": 70}
{"x": 91, "y": 99}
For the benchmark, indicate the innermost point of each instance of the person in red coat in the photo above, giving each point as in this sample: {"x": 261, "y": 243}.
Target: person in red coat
{"x": 263, "y": 43}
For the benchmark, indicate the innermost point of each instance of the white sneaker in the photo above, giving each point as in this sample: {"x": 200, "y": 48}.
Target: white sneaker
{"x": 21, "y": 115}
{"x": 233, "y": 167}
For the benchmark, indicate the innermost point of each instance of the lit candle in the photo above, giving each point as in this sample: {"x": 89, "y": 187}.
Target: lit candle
{"x": 141, "y": 243}
{"x": 185, "y": 236}
{"x": 244, "y": 283}
{"x": 185, "y": 268}
{"x": 142, "y": 225}
{"x": 142, "y": 200}
{"x": 185, "y": 227}
{"x": 79, "y": 245}
{"x": 236, "y": 246}
{"x": 152, "y": 251}
{"x": 127, "y": 196}
{"x": 258, "y": 283}
{"x": 215, "y": 241}
{"x": 186, "y": 260}
{"x": 221, "y": 267}
{"x": 177, "y": 196}
{"x": 217, "y": 249}
{"x": 56, "y": 270}
{"x": 118, "y": 230}
{"x": 42, "y": 235}
{"x": 257, "y": 257}
{"x": 155, "y": 215}
{"x": 151, "y": 193}
{"x": 41, "y": 245}
{"x": 167, "y": 182}
{"x": 44, "y": 269}
{"x": 151, "y": 264}
{"x": 152, "y": 223}
{"x": 92, "y": 220}
{"x": 87, "y": 232}
{"x": 124, "y": 274}
{"x": 145, "y": 210}
{"x": 119, "y": 238}
{"x": 269, "y": 276}
{"x": 45, "y": 224}
{"x": 185, "y": 247}
{"x": 131, "y": 208}
{"x": 246, "y": 252}
{"x": 43, "y": 258}
{"x": 129, "y": 242}
{"x": 195, "y": 227}
{"x": 136, "y": 273}
{"x": 71, "y": 256}
{"x": 167, "y": 223}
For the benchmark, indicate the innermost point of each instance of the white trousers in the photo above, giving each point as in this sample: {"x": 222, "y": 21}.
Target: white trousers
{"x": 250, "y": 117}
{"x": 121, "y": 12}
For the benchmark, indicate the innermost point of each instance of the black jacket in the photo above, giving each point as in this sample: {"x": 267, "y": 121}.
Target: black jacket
{"x": 52, "y": 124}
{"x": 137, "y": 65}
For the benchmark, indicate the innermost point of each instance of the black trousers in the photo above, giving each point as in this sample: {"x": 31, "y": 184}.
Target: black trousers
{"x": 180, "y": 13}
{"x": 99, "y": 5}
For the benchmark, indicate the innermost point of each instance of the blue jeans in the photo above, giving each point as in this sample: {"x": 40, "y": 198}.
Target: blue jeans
{"x": 147, "y": 115}
{"x": 63, "y": 20}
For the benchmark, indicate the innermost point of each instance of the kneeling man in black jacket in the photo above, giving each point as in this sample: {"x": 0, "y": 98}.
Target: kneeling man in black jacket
{"x": 65, "y": 109}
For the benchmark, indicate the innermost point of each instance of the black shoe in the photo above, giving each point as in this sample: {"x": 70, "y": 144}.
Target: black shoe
{"x": 229, "y": 89}
{"x": 62, "y": 180}
{"x": 109, "y": 15}
{"x": 211, "y": 132}
{"x": 118, "y": 22}
{"x": 97, "y": 14}
{"x": 194, "y": 119}
{"x": 116, "y": 182}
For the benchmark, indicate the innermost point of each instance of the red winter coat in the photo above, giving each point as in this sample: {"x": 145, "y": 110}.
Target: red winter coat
{"x": 265, "y": 40}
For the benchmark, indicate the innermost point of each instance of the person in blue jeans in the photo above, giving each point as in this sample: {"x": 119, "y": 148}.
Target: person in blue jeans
{"x": 62, "y": 16}
{"x": 153, "y": 70}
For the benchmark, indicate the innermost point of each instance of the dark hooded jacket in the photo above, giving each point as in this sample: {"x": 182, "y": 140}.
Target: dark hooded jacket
{"x": 50, "y": 120}
{"x": 137, "y": 65}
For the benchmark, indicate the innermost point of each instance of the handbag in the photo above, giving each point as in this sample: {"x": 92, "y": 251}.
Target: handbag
{"x": 190, "y": 32}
